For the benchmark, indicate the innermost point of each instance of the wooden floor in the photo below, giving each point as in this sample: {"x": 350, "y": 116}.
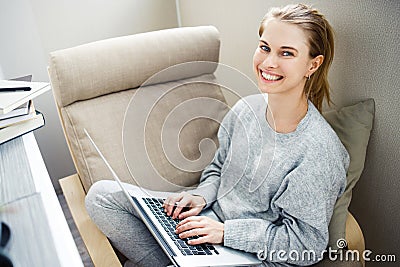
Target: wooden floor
{"x": 87, "y": 262}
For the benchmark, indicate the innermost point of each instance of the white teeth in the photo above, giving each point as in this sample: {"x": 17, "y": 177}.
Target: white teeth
{"x": 270, "y": 77}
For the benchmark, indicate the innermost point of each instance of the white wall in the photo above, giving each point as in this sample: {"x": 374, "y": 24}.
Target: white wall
{"x": 1, "y": 73}
{"x": 31, "y": 29}
{"x": 237, "y": 22}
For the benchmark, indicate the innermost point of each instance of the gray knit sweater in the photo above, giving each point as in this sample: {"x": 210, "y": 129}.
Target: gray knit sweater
{"x": 275, "y": 191}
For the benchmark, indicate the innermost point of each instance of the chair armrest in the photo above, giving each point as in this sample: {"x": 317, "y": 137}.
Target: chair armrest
{"x": 354, "y": 236}
{"x": 98, "y": 246}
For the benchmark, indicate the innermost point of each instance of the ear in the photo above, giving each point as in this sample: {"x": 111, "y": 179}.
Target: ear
{"x": 315, "y": 63}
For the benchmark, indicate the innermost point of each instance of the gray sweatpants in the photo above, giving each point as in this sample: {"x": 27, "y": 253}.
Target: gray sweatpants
{"x": 114, "y": 215}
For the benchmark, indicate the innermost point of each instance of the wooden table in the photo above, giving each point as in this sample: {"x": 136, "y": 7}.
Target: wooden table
{"x": 28, "y": 204}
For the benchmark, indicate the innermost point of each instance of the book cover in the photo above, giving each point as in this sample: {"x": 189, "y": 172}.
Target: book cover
{"x": 18, "y": 118}
{"x": 11, "y": 100}
{"x": 19, "y": 129}
{"x": 18, "y": 111}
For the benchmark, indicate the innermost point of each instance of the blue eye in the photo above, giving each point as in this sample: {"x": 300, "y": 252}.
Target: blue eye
{"x": 287, "y": 54}
{"x": 265, "y": 48}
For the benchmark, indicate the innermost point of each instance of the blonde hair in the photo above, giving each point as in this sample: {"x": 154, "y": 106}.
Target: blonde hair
{"x": 320, "y": 40}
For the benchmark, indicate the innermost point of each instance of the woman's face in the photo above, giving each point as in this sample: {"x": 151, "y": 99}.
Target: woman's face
{"x": 282, "y": 62}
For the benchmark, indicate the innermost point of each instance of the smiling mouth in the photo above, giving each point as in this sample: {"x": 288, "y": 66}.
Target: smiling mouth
{"x": 270, "y": 77}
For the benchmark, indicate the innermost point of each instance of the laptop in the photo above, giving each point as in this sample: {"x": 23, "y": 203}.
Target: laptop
{"x": 162, "y": 227}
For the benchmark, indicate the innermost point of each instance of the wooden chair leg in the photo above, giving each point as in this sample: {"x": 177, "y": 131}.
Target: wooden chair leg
{"x": 354, "y": 236}
{"x": 98, "y": 246}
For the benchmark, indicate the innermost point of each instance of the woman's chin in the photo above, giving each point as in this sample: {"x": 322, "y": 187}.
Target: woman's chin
{"x": 264, "y": 89}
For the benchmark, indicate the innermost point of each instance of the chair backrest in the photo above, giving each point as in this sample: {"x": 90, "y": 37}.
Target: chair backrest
{"x": 137, "y": 96}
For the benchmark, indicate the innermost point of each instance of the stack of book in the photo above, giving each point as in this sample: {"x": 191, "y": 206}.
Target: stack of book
{"x": 17, "y": 112}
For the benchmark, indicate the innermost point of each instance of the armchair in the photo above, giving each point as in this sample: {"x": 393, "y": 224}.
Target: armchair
{"x": 93, "y": 85}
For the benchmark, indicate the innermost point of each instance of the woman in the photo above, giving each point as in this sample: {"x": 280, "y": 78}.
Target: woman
{"x": 279, "y": 168}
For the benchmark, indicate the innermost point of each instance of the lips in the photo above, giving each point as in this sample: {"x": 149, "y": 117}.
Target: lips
{"x": 270, "y": 76}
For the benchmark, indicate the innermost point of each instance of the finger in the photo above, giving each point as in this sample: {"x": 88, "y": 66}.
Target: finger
{"x": 178, "y": 207}
{"x": 169, "y": 200}
{"x": 169, "y": 203}
{"x": 189, "y": 213}
{"x": 188, "y": 219}
{"x": 168, "y": 207}
{"x": 188, "y": 226}
{"x": 193, "y": 233}
{"x": 200, "y": 240}
{"x": 182, "y": 204}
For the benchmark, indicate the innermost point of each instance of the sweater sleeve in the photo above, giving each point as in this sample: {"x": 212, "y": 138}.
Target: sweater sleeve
{"x": 305, "y": 202}
{"x": 211, "y": 175}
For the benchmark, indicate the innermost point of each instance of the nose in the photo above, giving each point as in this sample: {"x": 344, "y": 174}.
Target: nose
{"x": 270, "y": 61}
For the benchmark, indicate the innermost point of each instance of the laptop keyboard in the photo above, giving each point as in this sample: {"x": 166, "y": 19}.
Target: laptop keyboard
{"x": 169, "y": 225}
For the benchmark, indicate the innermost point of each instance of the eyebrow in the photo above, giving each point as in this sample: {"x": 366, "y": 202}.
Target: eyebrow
{"x": 282, "y": 47}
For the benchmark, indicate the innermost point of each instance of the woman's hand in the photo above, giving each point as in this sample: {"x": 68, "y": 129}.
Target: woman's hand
{"x": 207, "y": 230}
{"x": 175, "y": 204}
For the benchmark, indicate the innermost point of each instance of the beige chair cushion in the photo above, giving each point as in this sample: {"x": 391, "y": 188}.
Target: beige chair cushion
{"x": 116, "y": 64}
{"x": 147, "y": 159}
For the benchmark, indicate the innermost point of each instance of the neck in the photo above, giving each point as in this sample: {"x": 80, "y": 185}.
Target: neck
{"x": 284, "y": 114}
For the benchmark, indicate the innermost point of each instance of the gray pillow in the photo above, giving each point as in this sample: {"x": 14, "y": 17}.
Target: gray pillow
{"x": 353, "y": 125}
